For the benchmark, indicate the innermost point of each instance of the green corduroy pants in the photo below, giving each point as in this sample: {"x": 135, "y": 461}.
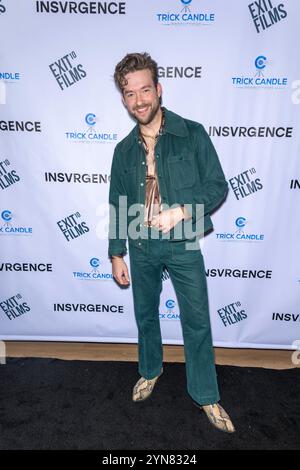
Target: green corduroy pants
{"x": 148, "y": 257}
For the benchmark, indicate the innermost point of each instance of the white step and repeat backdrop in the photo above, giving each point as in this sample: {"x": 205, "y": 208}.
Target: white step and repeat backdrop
{"x": 229, "y": 64}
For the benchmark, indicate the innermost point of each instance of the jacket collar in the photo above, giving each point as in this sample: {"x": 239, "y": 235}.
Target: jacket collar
{"x": 174, "y": 124}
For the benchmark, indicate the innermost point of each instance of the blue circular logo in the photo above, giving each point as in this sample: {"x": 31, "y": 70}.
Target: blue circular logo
{"x": 170, "y": 304}
{"x": 240, "y": 222}
{"x": 95, "y": 263}
{"x": 6, "y": 215}
{"x": 260, "y": 62}
{"x": 90, "y": 119}
{"x": 186, "y": 2}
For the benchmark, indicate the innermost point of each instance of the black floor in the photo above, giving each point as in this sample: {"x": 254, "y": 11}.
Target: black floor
{"x": 54, "y": 404}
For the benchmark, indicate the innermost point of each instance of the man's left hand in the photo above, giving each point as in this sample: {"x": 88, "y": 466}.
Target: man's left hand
{"x": 167, "y": 219}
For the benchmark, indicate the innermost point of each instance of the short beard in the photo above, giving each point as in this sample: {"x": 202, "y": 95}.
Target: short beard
{"x": 151, "y": 116}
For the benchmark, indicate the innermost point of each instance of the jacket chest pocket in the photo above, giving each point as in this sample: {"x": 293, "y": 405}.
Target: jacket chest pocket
{"x": 182, "y": 171}
{"x": 130, "y": 180}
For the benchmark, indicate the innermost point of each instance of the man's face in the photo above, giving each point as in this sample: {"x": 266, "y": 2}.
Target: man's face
{"x": 141, "y": 96}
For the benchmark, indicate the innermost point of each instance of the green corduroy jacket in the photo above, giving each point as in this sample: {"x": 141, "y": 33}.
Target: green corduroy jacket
{"x": 189, "y": 172}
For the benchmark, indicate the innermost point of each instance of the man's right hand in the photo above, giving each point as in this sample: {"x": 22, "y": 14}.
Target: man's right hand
{"x": 120, "y": 271}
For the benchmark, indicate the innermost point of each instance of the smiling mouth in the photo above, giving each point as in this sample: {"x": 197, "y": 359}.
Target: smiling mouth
{"x": 142, "y": 110}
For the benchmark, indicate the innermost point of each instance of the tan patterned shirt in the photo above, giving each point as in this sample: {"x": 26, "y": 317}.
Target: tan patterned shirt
{"x": 153, "y": 200}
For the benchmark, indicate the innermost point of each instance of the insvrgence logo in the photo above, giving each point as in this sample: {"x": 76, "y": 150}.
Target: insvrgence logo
{"x": 251, "y": 131}
{"x": 81, "y": 8}
{"x": 179, "y": 72}
{"x": 295, "y": 184}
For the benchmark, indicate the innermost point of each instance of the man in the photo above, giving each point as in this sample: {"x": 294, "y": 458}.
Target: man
{"x": 165, "y": 161}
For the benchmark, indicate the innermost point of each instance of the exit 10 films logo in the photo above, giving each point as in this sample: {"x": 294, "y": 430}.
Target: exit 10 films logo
{"x": 14, "y": 307}
{"x": 66, "y": 71}
{"x": 91, "y": 134}
{"x": 73, "y": 227}
{"x": 260, "y": 79}
{"x": 265, "y": 14}
{"x": 245, "y": 184}
{"x": 8, "y": 176}
{"x": 232, "y": 314}
{"x": 185, "y": 15}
